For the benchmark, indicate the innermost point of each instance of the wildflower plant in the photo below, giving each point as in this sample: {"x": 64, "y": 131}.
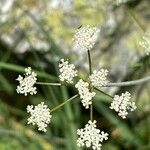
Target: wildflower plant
{"x": 89, "y": 136}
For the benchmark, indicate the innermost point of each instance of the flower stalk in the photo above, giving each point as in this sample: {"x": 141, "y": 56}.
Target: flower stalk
{"x": 103, "y": 92}
{"x": 90, "y": 85}
{"x": 46, "y": 83}
{"x": 115, "y": 84}
{"x": 62, "y": 104}
{"x": 128, "y": 83}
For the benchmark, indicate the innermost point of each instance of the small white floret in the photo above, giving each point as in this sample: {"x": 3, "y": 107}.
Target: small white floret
{"x": 145, "y": 42}
{"x": 67, "y": 71}
{"x": 40, "y": 116}
{"x": 90, "y": 136}
{"x": 85, "y": 95}
{"x": 85, "y": 38}
{"x": 99, "y": 78}
{"x": 26, "y": 84}
{"x": 122, "y": 105}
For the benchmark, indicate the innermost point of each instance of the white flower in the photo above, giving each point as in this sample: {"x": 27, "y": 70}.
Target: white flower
{"x": 118, "y": 2}
{"x": 85, "y": 38}
{"x": 40, "y": 116}
{"x": 145, "y": 42}
{"x": 27, "y": 84}
{"x": 90, "y": 136}
{"x": 98, "y": 78}
{"x": 85, "y": 95}
{"x": 67, "y": 71}
{"x": 122, "y": 104}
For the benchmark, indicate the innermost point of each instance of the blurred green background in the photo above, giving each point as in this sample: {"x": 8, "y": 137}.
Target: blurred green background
{"x": 38, "y": 33}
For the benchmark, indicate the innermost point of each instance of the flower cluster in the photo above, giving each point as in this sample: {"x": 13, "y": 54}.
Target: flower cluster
{"x": 122, "y": 104}
{"x": 27, "y": 84}
{"x": 40, "y": 116}
{"x": 85, "y": 38}
{"x": 90, "y": 136}
{"x": 98, "y": 78}
{"x": 84, "y": 93}
{"x": 67, "y": 71}
{"x": 145, "y": 43}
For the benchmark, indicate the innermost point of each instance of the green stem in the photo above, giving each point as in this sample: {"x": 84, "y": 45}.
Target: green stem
{"x": 90, "y": 62}
{"x": 129, "y": 83}
{"x": 131, "y": 13}
{"x": 17, "y": 68}
{"x": 46, "y": 83}
{"x": 103, "y": 92}
{"x": 62, "y": 104}
{"x": 90, "y": 85}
